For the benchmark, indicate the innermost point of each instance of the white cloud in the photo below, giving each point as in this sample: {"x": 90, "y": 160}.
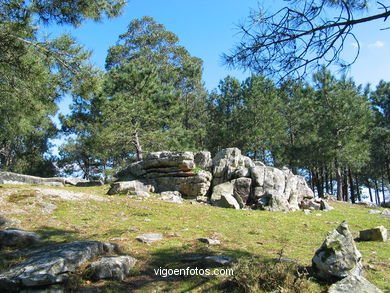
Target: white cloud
{"x": 377, "y": 44}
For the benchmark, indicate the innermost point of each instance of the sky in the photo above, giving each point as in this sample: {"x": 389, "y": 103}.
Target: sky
{"x": 208, "y": 28}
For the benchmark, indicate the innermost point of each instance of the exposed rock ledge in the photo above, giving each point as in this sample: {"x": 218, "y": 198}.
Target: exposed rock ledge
{"x": 14, "y": 178}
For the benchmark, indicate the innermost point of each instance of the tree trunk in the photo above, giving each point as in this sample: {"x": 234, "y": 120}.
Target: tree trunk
{"x": 345, "y": 186}
{"x": 370, "y": 192}
{"x": 339, "y": 182}
{"x": 377, "y": 199}
{"x": 351, "y": 187}
{"x": 327, "y": 181}
{"x": 383, "y": 189}
{"x": 359, "y": 195}
{"x": 137, "y": 145}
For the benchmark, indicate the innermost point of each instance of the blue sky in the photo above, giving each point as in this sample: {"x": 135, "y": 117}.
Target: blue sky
{"x": 208, "y": 28}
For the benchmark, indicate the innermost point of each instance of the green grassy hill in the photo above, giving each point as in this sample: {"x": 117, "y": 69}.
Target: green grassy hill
{"x": 244, "y": 234}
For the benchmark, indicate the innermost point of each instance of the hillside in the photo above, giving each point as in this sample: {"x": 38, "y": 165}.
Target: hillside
{"x": 77, "y": 213}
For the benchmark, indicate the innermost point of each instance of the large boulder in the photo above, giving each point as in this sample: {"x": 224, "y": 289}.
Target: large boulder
{"x": 173, "y": 171}
{"x": 51, "y": 265}
{"x": 242, "y": 190}
{"x": 278, "y": 189}
{"x": 353, "y": 284}
{"x": 338, "y": 256}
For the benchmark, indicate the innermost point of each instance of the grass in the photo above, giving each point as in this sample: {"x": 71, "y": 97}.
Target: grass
{"x": 244, "y": 234}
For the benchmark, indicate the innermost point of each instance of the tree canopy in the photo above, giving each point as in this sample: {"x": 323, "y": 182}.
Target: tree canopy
{"x": 302, "y": 36}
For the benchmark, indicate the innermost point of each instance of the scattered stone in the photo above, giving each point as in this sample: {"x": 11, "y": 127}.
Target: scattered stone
{"x": 51, "y": 265}
{"x": 353, "y": 284}
{"x": 149, "y": 238}
{"x": 112, "y": 268}
{"x": 306, "y": 212}
{"x": 147, "y": 220}
{"x": 119, "y": 214}
{"x": 210, "y": 241}
{"x": 338, "y": 256}
{"x": 375, "y": 234}
{"x": 386, "y": 212}
{"x": 10, "y": 222}
{"x": 374, "y": 212}
{"x": 202, "y": 199}
{"x": 12, "y": 237}
{"x": 47, "y": 207}
{"x": 133, "y": 229}
{"x": 171, "y": 196}
{"x": 119, "y": 239}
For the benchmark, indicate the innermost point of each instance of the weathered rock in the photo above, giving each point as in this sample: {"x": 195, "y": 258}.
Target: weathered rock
{"x": 149, "y": 238}
{"x": 375, "y": 234}
{"x": 241, "y": 172}
{"x": 51, "y": 265}
{"x": 242, "y": 190}
{"x": 17, "y": 238}
{"x": 181, "y": 160}
{"x": 222, "y": 196}
{"x": 374, "y": 212}
{"x": 171, "y": 196}
{"x": 228, "y": 201}
{"x": 310, "y": 205}
{"x": 351, "y": 284}
{"x": 386, "y": 212}
{"x": 210, "y": 241}
{"x": 226, "y": 162}
{"x": 203, "y": 160}
{"x": 219, "y": 190}
{"x": 129, "y": 187}
{"x": 111, "y": 267}
{"x": 14, "y": 178}
{"x": 338, "y": 256}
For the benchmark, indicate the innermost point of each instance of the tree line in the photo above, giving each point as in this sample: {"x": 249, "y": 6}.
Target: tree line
{"x": 151, "y": 97}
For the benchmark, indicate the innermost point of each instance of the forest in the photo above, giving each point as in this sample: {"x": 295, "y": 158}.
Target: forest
{"x": 151, "y": 97}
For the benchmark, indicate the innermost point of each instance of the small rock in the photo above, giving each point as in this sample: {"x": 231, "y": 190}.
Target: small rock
{"x": 149, "y": 238}
{"x": 119, "y": 239}
{"x": 306, "y": 212}
{"x": 353, "y": 284}
{"x": 386, "y": 212}
{"x": 47, "y": 207}
{"x": 375, "y": 234}
{"x": 133, "y": 229}
{"x": 374, "y": 212}
{"x": 171, "y": 196}
{"x": 119, "y": 214}
{"x": 17, "y": 238}
{"x": 112, "y": 267}
{"x": 210, "y": 241}
{"x": 147, "y": 220}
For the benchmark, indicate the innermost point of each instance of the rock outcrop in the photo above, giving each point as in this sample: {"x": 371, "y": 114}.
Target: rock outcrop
{"x": 338, "y": 256}
{"x": 230, "y": 179}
